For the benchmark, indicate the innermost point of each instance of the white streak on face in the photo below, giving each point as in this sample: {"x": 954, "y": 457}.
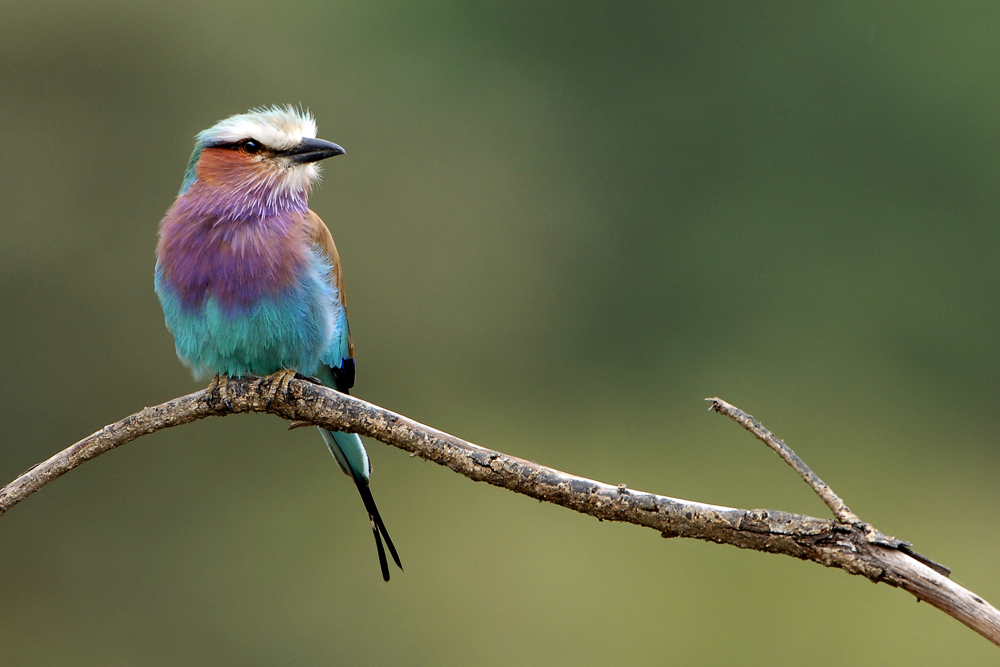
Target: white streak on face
{"x": 296, "y": 177}
{"x": 278, "y": 128}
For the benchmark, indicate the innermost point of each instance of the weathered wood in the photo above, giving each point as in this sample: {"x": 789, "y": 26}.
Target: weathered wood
{"x": 850, "y": 545}
{"x": 826, "y": 494}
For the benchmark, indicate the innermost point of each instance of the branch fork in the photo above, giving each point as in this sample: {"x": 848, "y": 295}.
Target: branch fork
{"x": 846, "y": 543}
{"x": 837, "y": 506}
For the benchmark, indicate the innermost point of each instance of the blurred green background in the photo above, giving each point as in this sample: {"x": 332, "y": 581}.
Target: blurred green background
{"x": 563, "y": 225}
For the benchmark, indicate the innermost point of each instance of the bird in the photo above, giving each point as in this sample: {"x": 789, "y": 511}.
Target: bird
{"x": 249, "y": 277}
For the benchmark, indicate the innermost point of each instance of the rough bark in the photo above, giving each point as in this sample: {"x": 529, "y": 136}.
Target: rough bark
{"x": 847, "y": 543}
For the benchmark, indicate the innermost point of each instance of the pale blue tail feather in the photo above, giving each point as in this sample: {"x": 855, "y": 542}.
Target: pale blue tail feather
{"x": 350, "y": 454}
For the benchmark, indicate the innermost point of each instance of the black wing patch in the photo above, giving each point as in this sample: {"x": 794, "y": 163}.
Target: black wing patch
{"x": 343, "y": 377}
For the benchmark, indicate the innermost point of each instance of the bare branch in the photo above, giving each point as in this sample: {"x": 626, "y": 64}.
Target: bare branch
{"x": 832, "y": 500}
{"x": 929, "y": 585}
{"x": 849, "y": 545}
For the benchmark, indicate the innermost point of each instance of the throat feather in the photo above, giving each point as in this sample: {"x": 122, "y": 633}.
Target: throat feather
{"x": 236, "y": 256}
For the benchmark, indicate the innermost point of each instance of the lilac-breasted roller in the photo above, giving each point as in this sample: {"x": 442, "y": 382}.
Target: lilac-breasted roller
{"x": 249, "y": 277}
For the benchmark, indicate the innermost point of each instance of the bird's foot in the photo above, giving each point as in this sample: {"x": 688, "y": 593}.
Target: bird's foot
{"x": 278, "y": 383}
{"x": 220, "y": 385}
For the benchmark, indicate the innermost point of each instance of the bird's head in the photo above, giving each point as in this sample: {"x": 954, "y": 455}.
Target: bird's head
{"x": 266, "y": 151}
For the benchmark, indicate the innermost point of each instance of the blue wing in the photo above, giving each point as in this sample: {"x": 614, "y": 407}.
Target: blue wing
{"x": 337, "y": 371}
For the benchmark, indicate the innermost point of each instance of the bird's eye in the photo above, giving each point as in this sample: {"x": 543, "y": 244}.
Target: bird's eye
{"x": 251, "y": 146}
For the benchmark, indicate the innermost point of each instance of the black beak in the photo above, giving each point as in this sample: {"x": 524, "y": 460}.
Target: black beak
{"x": 313, "y": 150}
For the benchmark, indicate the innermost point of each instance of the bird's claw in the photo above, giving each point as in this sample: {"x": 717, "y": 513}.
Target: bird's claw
{"x": 278, "y": 383}
{"x": 220, "y": 385}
